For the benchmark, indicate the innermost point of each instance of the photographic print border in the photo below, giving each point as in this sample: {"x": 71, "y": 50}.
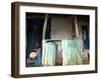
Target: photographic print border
{"x": 15, "y": 39}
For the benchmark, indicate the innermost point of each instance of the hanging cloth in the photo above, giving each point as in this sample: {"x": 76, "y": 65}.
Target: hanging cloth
{"x": 49, "y": 48}
{"x": 71, "y": 49}
{"x": 71, "y": 52}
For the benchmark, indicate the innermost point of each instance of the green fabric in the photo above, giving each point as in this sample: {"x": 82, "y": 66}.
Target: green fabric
{"x": 49, "y": 54}
{"x": 51, "y": 50}
{"x": 71, "y": 52}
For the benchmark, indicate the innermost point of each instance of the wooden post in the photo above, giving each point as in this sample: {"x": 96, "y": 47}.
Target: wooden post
{"x": 76, "y": 27}
{"x": 44, "y": 26}
{"x": 43, "y": 40}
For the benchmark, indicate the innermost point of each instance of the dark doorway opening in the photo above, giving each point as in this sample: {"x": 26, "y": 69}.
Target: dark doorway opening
{"x": 34, "y": 30}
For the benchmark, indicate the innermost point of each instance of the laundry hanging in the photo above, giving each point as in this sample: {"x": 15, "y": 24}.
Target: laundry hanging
{"x": 71, "y": 51}
{"x": 49, "y": 49}
{"x": 50, "y": 52}
{"x": 71, "y": 48}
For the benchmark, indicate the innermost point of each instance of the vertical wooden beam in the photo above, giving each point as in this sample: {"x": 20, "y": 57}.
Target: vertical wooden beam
{"x": 44, "y": 26}
{"x": 76, "y": 27}
{"x": 43, "y": 40}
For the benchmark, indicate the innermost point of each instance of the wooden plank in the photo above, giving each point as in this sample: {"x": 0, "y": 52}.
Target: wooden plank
{"x": 44, "y": 26}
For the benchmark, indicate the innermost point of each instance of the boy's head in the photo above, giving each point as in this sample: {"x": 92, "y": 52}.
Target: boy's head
{"x": 37, "y": 45}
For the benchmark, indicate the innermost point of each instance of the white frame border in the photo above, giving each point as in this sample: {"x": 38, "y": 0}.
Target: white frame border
{"x": 54, "y": 69}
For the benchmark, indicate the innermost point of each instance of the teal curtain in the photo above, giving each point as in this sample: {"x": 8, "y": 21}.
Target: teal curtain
{"x": 51, "y": 50}
{"x": 71, "y": 52}
{"x": 49, "y": 54}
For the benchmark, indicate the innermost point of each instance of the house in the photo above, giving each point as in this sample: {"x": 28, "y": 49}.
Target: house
{"x": 59, "y": 36}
